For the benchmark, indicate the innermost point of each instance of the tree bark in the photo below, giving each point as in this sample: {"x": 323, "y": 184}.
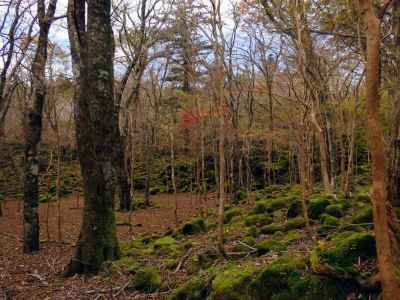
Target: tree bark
{"x": 34, "y": 130}
{"x": 96, "y": 126}
{"x": 386, "y": 260}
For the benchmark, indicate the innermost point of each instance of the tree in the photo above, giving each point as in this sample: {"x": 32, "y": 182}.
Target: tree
{"x": 92, "y": 49}
{"x": 34, "y": 123}
{"x": 386, "y": 260}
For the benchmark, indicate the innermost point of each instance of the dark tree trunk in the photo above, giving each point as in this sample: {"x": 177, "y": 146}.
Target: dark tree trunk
{"x": 96, "y": 127}
{"x": 34, "y": 130}
{"x": 125, "y": 202}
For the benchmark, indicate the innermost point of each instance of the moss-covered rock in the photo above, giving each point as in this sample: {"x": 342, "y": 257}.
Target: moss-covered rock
{"x": 126, "y": 263}
{"x": 364, "y": 216}
{"x": 258, "y": 220}
{"x": 252, "y": 231}
{"x": 295, "y": 209}
{"x": 195, "y": 226}
{"x": 346, "y": 249}
{"x": 147, "y": 280}
{"x": 276, "y": 204}
{"x": 329, "y": 224}
{"x": 296, "y": 223}
{"x": 232, "y": 283}
{"x": 272, "y": 228}
{"x": 334, "y": 210}
{"x": 202, "y": 260}
{"x": 165, "y": 245}
{"x": 270, "y": 245}
{"x": 261, "y": 207}
{"x": 317, "y": 207}
{"x": 231, "y": 213}
{"x": 273, "y": 279}
{"x": 197, "y": 288}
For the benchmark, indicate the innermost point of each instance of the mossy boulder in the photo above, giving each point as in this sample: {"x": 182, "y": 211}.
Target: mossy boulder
{"x": 195, "y": 226}
{"x": 165, "y": 245}
{"x": 258, "y": 220}
{"x": 335, "y": 210}
{"x": 345, "y": 250}
{"x": 296, "y": 223}
{"x": 273, "y": 279}
{"x": 270, "y": 245}
{"x": 147, "y": 280}
{"x": 276, "y": 204}
{"x": 202, "y": 260}
{"x": 317, "y": 207}
{"x": 295, "y": 209}
{"x": 231, "y": 213}
{"x": 232, "y": 283}
{"x": 197, "y": 288}
{"x": 329, "y": 224}
{"x": 261, "y": 207}
{"x": 272, "y": 228}
{"x": 364, "y": 217}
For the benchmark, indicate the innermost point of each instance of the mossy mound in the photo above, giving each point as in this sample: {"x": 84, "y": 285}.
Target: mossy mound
{"x": 363, "y": 217}
{"x": 345, "y": 250}
{"x": 272, "y": 228}
{"x": 273, "y": 279}
{"x": 232, "y": 283}
{"x": 261, "y": 207}
{"x": 231, "y": 213}
{"x": 258, "y": 220}
{"x": 270, "y": 245}
{"x": 295, "y": 209}
{"x": 195, "y": 226}
{"x": 335, "y": 210}
{"x": 296, "y": 223}
{"x": 202, "y": 260}
{"x": 329, "y": 224}
{"x": 147, "y": 280}
{"x": 196, "y": 288}
{"x": 317, "y": 207}
{"x": 125, "y": 263}
{"x": 166, "y": 246}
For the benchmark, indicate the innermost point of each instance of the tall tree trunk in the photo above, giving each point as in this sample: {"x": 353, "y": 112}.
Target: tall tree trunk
{"x": 34, "y": 129}
{"x": 386, "y": 260}
{"x": 96, "y": 127}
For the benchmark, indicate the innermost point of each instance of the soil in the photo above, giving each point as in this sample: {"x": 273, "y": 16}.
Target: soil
{"x": 38, "y": 276}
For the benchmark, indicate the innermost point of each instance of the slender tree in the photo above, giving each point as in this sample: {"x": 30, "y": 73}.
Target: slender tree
{"x": 34, "y": 128}
{"x": 386, "y": 260}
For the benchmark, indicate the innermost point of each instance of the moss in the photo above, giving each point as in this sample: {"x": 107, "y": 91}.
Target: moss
{"x": 270, "y": 245}
{"x": 329, "y": 224}
{"x": 261, "y": 207}
{"x": 233, "y": 283}
{"x": 345, "y": 249}
{"x": 147, "y": 280}
{"x": 197, "y": 288}
{"x": 295, "y": 209}
{"x": 273, "y": 279}
{"x": 195, "y": 226}
{"x": 276, "y": 204}
{"x": 231, "y": 213}
{"x": 126, "y": 263}
{"x": 293, "y": 236}
{"x": 317, "y": 207}
{"x": 296, "y": 223}
{"x": 165, "y": 245}
{"x": 334, "y": 210}
{"x": 252, "y": 231}
{"x": 202, "y": 260}
{"x": 258, "y": 220}
{"x": 364, "y": 217}
{"x": 272, "y": 228}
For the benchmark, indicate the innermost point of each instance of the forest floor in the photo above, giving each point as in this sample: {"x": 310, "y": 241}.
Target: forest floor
{"x": 37, "y": 276}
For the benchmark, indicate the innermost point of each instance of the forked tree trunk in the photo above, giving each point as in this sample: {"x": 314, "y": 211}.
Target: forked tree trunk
{"x": 34, "y": 130}
{"x": 386, "y": 260}
{"x": 92, "y": 49}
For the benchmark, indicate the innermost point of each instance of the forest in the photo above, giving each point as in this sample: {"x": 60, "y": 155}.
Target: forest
{"x": 200, "y": 149}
